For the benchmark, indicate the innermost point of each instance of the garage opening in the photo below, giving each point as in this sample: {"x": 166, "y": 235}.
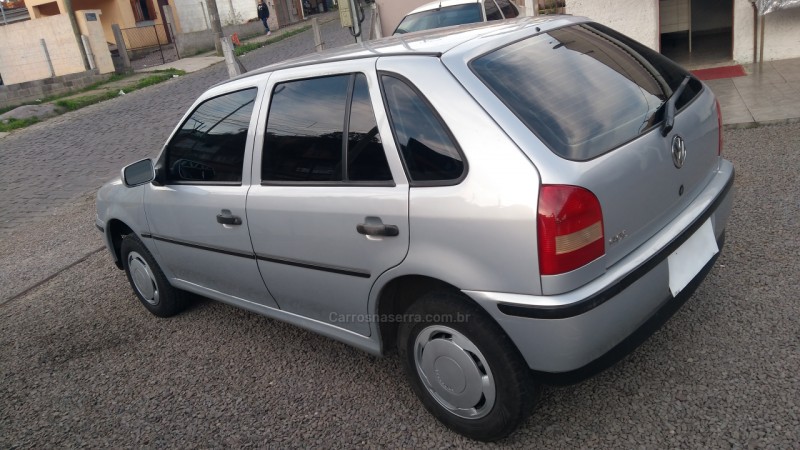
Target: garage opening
{"x": 697, "y": 33}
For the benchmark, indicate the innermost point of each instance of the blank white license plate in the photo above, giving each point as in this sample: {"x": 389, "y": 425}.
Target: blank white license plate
{"x": 691, "y": 257}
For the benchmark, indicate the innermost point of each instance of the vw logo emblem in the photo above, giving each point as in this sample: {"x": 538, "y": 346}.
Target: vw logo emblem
{"x": 678, "y": 151}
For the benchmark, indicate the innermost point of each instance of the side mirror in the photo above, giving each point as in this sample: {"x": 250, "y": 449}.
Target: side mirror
{"x": 138, "y": 173}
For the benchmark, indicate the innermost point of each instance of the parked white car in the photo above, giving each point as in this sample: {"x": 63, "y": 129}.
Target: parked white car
{"x": 447, "y": 13}
{"x": 505, "y": 204}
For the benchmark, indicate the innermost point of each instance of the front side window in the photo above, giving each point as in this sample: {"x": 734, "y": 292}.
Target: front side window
{"x": 429, "y": 154}
{"x": 210, "y": 146}
{"x": 314, "y": 125}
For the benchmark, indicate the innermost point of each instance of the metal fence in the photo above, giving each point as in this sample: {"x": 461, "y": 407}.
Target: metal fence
{"x": 150, "y": 45}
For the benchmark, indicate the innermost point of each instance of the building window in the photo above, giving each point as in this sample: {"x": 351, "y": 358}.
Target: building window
{"x": 143, "y": 10}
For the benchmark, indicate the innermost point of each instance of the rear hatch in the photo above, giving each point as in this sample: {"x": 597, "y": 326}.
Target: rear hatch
{"x": 599, "y": 101}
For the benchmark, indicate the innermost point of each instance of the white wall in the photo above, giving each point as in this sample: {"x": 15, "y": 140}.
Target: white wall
{"x": 22, "y": 57}
{"x": 782, "y": 33}
{"x": 638, "y": 20}
{"x": 193, "y": 14}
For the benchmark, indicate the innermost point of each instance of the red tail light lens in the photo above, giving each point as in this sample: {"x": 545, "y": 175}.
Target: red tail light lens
{"x": 719, "y": 122}
{"x": 570, "y": 228}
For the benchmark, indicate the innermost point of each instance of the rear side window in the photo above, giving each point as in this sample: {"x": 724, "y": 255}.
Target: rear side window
{"x": 442, "y": 17}
{"x": 492, "y": 12}
{"x": 509, "y": 11}
{"x": 209, "y": 147}
{"x": 314, "y": 125}
{"x": 583, "y": 89}
{"x": 366, "y": 160}
{"x": 429, "y": 153}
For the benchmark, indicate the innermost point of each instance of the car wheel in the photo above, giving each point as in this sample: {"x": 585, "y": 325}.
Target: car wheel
{"x": 464, "y": 368}
{"x": 148, "y": 281}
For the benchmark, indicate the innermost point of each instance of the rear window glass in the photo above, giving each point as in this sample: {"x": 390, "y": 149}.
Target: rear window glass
{"x": 442, "y": 17}
{"x": 583, "y": 89}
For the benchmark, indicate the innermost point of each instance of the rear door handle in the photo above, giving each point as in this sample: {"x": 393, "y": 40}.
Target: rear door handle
{"x": 226, "y": 218}
{"x": 373, "y": 226}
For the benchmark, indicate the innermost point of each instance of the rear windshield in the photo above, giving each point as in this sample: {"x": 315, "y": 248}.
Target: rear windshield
{"x": 583, "y": 89}
{"x": 442, "y": 17}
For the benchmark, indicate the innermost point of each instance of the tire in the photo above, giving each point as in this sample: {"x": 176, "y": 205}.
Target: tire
{"x": 482, "y": 387}
{"x": 148, "y": 281}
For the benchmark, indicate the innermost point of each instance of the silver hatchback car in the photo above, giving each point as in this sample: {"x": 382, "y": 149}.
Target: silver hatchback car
{"x": 506, "y": 204}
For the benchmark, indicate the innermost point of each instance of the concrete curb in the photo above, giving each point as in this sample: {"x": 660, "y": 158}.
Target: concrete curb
{"x": 763, "y": 123}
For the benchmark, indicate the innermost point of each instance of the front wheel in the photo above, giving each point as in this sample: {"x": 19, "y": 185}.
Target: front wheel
{"x": 148, "y": 281}
{"x": 464, "y": 368}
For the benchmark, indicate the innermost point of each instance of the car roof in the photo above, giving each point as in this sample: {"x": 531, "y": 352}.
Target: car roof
{"x": 435, "y": 42}
{"x": 442, "y": 4}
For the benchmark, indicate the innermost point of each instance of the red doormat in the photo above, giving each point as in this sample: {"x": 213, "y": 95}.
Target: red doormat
{"x": 715, "y": 73}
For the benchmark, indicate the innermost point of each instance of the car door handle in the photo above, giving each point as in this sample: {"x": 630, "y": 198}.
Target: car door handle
{"x": 226, "y": 218}
{"x": 373, "y": 226}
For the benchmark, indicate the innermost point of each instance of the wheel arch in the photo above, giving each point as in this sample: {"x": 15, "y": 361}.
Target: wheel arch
{"x": 397, "y": 295}
{"x": 116, "y": 230}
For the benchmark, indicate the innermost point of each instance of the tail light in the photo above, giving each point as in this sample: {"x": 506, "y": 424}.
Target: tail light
{"x": 719, "y": 122}
{"x": 570, "y": 228}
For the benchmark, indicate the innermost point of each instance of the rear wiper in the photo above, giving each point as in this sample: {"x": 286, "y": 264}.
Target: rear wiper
{"x": 669, "y": 112}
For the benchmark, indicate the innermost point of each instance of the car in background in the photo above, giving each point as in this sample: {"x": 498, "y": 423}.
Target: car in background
{"x": 447, "y": 13}
{"x": 425, "y": 194}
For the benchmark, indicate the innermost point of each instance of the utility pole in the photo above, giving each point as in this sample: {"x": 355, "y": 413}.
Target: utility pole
{"x": 354, "y": 10}
{"x": 216, "y": 26}
{"x": 71, "y": 14}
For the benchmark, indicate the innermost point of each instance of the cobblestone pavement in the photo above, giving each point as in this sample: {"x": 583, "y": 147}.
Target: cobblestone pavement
{"x": 83, "y": 364}
{"x": 55, "y": 162}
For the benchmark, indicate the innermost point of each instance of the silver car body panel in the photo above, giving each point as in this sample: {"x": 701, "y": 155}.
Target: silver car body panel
{"x": 482, "y": 231}
{"x": 366, "y": 343}
{"x": 304, "y": 235}
{"x": 566, "y": 344}
{"x": 115, "y": 201}
{"x": 637, "y": 184}
{"x": 478, "y": 235}
{"x": 194, "y": 247}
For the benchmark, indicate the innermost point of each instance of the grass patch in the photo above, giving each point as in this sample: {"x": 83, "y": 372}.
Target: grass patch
{"x": 52, "y": 98}
{"x": 250, "y": 46}
{"x": 157, "y": 77}
{"x": 71, "y": 104}
{"x": 13, "y": 124}
{"x": 75, "y": 103}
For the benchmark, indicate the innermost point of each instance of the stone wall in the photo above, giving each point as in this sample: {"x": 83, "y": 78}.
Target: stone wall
{"x": 33, "y": 90}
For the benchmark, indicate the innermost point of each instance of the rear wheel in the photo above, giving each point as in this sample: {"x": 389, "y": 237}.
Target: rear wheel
{"x": 148, "y": 281}
{"x": 464, "y": 368}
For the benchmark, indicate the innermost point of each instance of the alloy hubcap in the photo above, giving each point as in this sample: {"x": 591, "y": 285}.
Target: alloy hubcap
{"x": 143, "y": 278}
{"x": 454, "y": 372}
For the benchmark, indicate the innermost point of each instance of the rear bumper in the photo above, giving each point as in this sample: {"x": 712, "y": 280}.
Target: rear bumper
{"x": 568, "y": 337}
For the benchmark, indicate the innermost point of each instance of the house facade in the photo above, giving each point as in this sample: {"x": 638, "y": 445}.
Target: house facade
{"x": 125, "y": 13}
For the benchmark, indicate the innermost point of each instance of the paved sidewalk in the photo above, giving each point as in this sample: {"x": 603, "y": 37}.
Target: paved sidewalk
{"x": 207, "y": 59}
{"x": 770, "y": 93}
